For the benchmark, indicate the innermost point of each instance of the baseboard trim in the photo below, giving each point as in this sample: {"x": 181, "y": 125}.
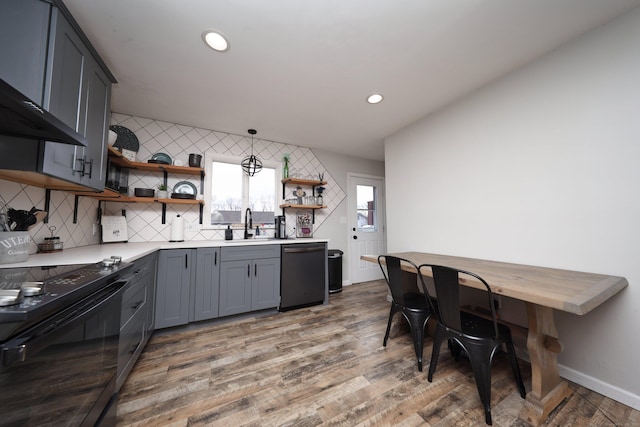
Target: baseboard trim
{"x": 611, "y": 391}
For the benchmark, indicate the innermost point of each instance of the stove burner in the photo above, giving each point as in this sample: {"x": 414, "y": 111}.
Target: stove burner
{"x": 32, "y": 289}
{"x": 10, "y": 297}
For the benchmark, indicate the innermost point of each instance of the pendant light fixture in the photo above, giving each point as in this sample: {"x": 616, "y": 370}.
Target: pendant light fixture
{"x": 251, "y": 165}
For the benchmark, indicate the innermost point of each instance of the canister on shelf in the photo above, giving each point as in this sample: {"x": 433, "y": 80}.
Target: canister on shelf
{"x": 51, "y": 244}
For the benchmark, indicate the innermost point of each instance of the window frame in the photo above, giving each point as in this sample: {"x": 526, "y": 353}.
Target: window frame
{"x": 373, "y": 228}
{"x": 212, "y": 156}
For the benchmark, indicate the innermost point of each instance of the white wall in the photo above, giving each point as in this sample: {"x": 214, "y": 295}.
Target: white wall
{"x": 540, "y": 168}
{"x": 339, "y": 166}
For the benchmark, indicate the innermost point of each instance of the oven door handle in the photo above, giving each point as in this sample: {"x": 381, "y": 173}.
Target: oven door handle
{"x": 32, "y": 341}
{"x": 301, "y": 250}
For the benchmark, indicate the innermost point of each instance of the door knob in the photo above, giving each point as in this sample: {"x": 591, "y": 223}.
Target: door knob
{"x": 355, "y": 237}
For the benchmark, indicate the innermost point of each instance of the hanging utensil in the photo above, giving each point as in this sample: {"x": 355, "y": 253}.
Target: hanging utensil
{"x": 39, "y": 215}
{"x": 20, "y": 220}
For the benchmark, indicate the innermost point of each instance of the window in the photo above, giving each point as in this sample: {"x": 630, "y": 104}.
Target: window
{"x": 229, "y": 192}
{"x": 366, "y": 207}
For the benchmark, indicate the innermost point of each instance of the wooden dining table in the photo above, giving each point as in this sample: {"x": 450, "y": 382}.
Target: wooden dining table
{"x": 543, "y": 290}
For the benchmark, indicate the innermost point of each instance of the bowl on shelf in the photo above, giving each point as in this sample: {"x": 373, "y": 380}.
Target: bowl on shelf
{"x": 182, "y": 196}
{"x": 184, "y": 190}
{"x": 161, "y": 158}
{"x": 144, "y": 192}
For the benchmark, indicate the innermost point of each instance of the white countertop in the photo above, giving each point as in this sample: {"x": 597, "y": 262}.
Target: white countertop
{"x": 132, "y": 251}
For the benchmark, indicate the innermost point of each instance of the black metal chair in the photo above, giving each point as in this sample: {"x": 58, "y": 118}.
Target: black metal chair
{"x": 415, "y": 305}
{"x": 478, "y": 337}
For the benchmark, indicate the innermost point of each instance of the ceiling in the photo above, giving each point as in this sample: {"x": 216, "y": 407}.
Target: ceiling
{"x": 300, "y": 71}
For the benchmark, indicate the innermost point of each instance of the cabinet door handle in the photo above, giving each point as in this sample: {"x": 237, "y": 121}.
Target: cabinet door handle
{"x": 90, "y": 163}
{"x": 255, "y": 270}
{"x": 80, "y": 170}
{"x": 215, "y": 258}
{"x": 248, "y": 270}
{"x": 186, "y": 261}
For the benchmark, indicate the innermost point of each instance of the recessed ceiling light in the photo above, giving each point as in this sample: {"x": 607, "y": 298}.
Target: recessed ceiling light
{"x": 215, "y": 40}
{"x": 374, "y": 99}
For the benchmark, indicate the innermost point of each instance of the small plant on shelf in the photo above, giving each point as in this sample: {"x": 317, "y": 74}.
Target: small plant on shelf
{"x": 162, "y": 191}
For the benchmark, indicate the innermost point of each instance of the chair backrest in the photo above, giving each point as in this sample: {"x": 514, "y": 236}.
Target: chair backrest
{"x": 447, "y": 285}
{"x": 391, "y": 267}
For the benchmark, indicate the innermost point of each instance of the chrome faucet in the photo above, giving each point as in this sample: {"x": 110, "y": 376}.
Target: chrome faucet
{"x": 248, "y": 225}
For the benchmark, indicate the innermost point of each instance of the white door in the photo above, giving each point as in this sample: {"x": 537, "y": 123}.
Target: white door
{"x": 366, "y": 226}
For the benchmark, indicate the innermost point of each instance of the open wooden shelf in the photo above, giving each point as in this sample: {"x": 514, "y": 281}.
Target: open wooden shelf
{"x": 300, "y": 181}
{"x": 105, "y": 194}
{"x": 313, "y": 183}
{"x": 181, "y": 201}
{"x": 112, "y": 196}
{"x": 291, "y": 205}
{"x": 116, "y": 157}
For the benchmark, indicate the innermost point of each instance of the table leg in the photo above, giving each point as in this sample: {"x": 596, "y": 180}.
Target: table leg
{"x": 547, "y": 389}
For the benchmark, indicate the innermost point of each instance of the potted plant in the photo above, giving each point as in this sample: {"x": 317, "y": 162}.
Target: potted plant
{"x": 162, "y": 191}
{"x": 285, "y": 167}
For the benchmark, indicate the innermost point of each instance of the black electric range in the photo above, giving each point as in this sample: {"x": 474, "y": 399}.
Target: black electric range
{"x": 59, "y": 343}
{"x": 31, "y": 294}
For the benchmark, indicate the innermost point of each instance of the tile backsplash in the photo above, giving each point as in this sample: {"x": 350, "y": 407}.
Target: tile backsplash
{"x": 178, "y": 141}
{"x": 145, "y": 219}
{"x": 21, "y": 196}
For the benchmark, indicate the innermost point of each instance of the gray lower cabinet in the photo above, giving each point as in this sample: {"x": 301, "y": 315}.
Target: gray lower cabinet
{"x": 136, "y": 318}
{"x": 206, "y": 288}
{"x": 172, "y": 293}
{"x": 249, "y": 278}
{"x": 188, "y": 281}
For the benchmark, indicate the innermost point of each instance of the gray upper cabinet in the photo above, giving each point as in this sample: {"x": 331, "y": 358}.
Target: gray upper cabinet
{"x": 46, "y": 56}
{"x": 78, "y": 93}
{"x": 24, "y": 31}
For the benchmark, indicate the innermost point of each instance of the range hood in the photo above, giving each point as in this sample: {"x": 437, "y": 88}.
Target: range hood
{"x": 21, "y": 117}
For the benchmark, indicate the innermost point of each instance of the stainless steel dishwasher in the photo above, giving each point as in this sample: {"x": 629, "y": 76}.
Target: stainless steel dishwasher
{"x": 303, "y": 275}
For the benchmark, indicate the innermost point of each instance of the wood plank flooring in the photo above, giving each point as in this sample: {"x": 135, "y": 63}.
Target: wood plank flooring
{"x": 325, "y": 366}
